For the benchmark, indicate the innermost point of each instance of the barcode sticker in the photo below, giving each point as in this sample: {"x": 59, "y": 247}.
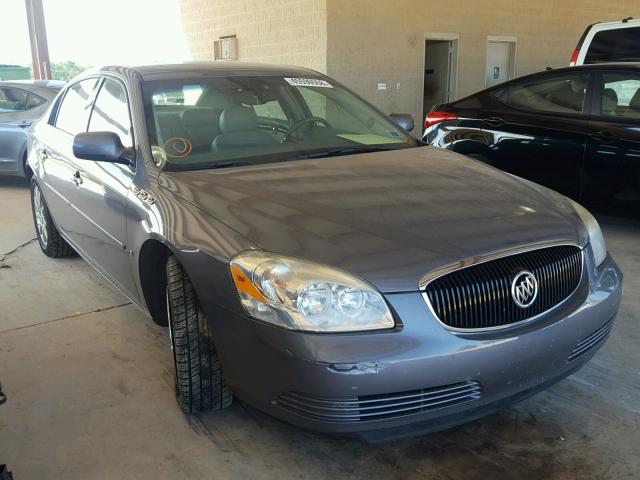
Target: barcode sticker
{"x": 308, "y": 82}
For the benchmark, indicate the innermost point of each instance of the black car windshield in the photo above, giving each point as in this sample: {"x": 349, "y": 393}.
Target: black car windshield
{"x": 216, "y": 122}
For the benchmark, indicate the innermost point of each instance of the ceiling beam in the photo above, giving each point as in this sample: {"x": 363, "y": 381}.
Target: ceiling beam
{"x": 38, "y": 38}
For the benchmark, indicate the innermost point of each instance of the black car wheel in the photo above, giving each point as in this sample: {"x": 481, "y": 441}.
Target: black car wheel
{"x": 50, "y": 240}
{"x": 200, "y": 385}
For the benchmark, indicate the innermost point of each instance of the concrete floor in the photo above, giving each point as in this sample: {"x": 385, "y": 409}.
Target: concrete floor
{"x": 89, "y": 381}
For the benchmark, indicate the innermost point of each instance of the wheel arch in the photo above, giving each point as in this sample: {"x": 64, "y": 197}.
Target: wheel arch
{"x": 26, "y": 168}
{"x": 153, "y": 277}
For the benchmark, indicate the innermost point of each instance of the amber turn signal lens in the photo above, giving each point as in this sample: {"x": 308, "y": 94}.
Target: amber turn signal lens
{"x": 244, "y": 284}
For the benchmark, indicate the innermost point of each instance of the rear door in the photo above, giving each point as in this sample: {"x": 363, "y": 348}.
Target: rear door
{"x": 56, "y": 154}
{"x": 612, "y": 161}
{"x": 539, "y": 130}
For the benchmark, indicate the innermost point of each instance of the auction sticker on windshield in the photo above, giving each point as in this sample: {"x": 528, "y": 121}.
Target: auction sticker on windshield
{"x": 308, "y": 82}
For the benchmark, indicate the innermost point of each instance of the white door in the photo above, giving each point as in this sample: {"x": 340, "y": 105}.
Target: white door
{"x": 500, "y": 62}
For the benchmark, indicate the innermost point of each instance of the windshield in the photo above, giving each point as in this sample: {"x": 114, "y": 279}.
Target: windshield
{"x": 213, "y": 122}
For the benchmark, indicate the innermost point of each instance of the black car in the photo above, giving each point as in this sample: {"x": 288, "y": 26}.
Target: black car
{"x": 575, "y": 130}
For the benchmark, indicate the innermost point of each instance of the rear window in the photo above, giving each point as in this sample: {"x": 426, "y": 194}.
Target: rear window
{"x": 619, "y": 45}
{"x": 18, "y": 100}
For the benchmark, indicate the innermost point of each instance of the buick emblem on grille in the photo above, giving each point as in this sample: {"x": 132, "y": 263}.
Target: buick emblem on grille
{"x": 524, "y": 289}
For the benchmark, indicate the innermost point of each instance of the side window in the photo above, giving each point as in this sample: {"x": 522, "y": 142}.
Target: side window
{"x": 13, "y": 100}
{"x": 111, "y": 112}
{"x": 73, "y": 114}
{"x": 621, "y": 95}
{"x": 617, "y": 45}
{"x": 563, "y": 94}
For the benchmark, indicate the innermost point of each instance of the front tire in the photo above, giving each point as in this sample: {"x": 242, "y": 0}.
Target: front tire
{"x": 200, "y": 385}
{"x": 51, "y": 242}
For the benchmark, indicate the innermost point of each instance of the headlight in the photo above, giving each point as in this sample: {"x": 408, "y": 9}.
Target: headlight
{"x": 595, "y": 234}
{"x": 302, "y": 295}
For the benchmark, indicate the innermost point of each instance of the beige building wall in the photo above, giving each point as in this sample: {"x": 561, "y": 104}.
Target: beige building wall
{"x": 371, "y": 41}
{"x": 363, "y": 42}
{"x": 292, "y": 32}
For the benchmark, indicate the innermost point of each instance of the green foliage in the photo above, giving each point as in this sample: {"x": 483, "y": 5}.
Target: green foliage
{"x": 66, "y": 70}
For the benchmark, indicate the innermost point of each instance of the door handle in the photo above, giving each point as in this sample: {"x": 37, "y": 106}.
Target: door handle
{"x": 25, "y": 124}
{"x": 494, "y": 121}
{"x": 77, "y": 178}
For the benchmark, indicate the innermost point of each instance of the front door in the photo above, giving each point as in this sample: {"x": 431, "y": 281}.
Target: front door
{"x": 612, "y": 162}
{"x": 101, "y": 189}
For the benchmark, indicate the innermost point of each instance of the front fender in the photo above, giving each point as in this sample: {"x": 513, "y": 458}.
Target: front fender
{"x": 203, "y": 244}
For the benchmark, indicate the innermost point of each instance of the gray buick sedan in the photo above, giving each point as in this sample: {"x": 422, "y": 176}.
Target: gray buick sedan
{"x": 309, "y": 256}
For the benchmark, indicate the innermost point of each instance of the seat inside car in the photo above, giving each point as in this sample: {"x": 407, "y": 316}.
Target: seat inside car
{"x": 201, "y": 127}
{"x": 609, "y": 101}
{"x": 239, "y": 129}
{"x": 634, "y": 105}
{"x": 570, "y": 96}
{"x": 170, "y": 125}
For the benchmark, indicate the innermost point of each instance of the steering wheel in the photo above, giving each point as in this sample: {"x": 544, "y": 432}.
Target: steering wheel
{"x": 297, "y": 126}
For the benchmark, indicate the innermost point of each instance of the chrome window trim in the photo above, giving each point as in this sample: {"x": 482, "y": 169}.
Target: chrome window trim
{"x": 470, "y": 262}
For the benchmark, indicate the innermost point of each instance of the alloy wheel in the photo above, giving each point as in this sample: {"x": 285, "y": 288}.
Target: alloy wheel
{"x": 41, "y": 217}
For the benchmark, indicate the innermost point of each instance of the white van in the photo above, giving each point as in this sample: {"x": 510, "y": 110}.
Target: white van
{"x": 609, "y": 42}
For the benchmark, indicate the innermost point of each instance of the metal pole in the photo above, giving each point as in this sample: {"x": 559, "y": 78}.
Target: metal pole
{"x": 38, "y": 38}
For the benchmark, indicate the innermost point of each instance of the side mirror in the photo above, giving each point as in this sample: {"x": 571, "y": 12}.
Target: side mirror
{"x": 403, "y": 120}
{"x": 101, "y": 147}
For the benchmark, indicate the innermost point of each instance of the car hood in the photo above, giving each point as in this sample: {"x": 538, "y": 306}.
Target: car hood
{"x": 389, "y": 217}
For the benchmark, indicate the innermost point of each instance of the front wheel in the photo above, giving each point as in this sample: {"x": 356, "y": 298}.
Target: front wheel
{"x": 50, "y": 240}
{"x": 200, "y": 385}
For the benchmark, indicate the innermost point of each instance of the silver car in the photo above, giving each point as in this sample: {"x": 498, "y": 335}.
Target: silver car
{"x": 21, "y": 103}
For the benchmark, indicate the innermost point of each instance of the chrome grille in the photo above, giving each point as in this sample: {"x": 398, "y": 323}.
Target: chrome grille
{"x": 378, "y": 407}
{"x": 479, "y": 296}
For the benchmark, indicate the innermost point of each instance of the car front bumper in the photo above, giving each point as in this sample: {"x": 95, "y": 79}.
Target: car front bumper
{"x": 420, "y": 376}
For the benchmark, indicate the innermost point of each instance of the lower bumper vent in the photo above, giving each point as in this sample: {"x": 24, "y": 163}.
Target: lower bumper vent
{"x": 378, "y": 407}
{"x": 591, "y": 341}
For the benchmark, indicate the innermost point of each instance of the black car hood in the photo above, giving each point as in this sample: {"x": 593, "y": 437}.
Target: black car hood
{"x": 389, "y": 217}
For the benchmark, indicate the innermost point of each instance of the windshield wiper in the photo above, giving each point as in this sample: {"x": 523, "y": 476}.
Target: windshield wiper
{"x": 236, "y": 163}
{"x": 336, "y": 152}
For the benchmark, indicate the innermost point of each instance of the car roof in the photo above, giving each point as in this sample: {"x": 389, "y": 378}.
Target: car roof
{"x": 600, "y": 66}
{"x": 577, "y": 68}
{"x": 220, "y": 68}
{"x": 624, "y": 23}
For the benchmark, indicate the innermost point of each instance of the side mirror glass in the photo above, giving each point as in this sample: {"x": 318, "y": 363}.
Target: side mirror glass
{"x": 403, "y": 120}
{"x": 101, "y": 147}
